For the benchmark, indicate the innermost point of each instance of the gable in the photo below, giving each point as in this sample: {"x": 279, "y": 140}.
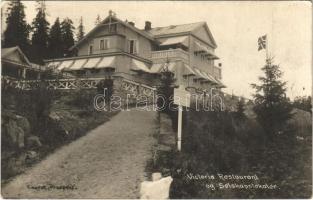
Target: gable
{"x": 15, "y": 55}
{"x": 108, "y": 20}
{"x": 204, "y": 33}
{"x": 98, "y": 30}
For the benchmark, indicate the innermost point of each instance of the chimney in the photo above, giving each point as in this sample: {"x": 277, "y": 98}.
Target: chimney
{"x": 131, "y": 23}
{"x": 147, "y": 26}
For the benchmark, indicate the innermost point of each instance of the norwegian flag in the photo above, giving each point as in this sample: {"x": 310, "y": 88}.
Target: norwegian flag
{"x": 262, "y": 42}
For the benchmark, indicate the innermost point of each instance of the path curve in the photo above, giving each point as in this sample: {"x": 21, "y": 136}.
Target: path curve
{"x": 108, "y": 162}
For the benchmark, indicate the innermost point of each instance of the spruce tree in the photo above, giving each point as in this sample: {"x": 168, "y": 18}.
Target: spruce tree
{"x": 17, "y": 31}
{"x": 241, "y": 108}
{"x": 80, "y": 33}
{"x": 40, "y": 35}
{"x": 67, "y": 30}
{"x": 271, "y": 104}
{"x": 166, "y": 89}
{"x": 55, "y": 40}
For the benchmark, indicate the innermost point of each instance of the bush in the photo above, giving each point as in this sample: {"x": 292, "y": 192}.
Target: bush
{"x": 82, "y": 98}
{"x": 106, "y": 86}
{"x": 216, "y": 142}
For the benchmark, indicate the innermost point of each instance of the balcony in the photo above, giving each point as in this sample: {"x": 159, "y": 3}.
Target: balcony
{"x": 171, "y": 54}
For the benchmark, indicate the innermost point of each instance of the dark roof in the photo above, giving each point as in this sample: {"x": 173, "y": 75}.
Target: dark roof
{"x": 143, "y": 33}
{"x": 174, "y": 29}
{"x": 7, "y": 51}
{"x": 154, "y": 32}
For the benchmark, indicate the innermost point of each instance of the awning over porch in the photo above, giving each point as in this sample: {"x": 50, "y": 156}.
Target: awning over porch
{"x": 188, "y": 71}
{"x": 209, "y": 77}
{"x": 156, "y": 68}
{"x": 54, "y": 65}
{"x": 199, "y": 48}
{"x": 106, "y": 62}
{"x": 174, "y": 40}
{"x": 199, "y": 75}
{"x": 171, "y": 66}
{"x": 206, "y": 77}
{"x": 78, "y": 64}
{"x": 137, "y": 65}
{"x": 88, "y": 63}
{"x": 219, "y": 83}
{"x": 66, "y": 64}
{"x": 92, "y": 63}
{"x": 161, "y": 67}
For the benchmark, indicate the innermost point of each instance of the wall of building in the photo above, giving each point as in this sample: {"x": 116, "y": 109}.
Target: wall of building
{"x": 117, "y": 41}
{"x": 196, "y": 60}
{"x": 217, "y": 72}
{"x": 144, "y": 45}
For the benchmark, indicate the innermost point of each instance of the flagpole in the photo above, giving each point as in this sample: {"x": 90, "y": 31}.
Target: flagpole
{"x": 266, "y": 49}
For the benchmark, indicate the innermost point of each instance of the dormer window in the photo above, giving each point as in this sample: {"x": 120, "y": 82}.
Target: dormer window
{"x": 132, "y": 46}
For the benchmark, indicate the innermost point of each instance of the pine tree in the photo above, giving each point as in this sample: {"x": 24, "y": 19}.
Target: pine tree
{"x": 55, "y": 41}
{"x": 17, "y": 31}
{"x": 40, "y": 35}
{"x": 271, "y": 104}
{"x": 98, "y": 20}
{"x": 67, "y": 30}
{"x": 80, "y": 33}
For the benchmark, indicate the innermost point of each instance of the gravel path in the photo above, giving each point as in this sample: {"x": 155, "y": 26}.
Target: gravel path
{"x": 109, "y": 162}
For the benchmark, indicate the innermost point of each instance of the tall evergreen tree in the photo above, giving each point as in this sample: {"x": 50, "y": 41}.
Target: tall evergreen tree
{"x": 17, "y": 30}
{"x": 55, "y": 46}
{"x": 80, "y": 32}
{"x": 40, "y": 35}
{"x": 67, "y": 30}
{"x": 240, "y": 108}
{"x": 271, "y": 104}
{"x": 166, "y": 89}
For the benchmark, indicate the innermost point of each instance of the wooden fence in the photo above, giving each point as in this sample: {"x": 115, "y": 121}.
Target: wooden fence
{"x": 78, "y": 83}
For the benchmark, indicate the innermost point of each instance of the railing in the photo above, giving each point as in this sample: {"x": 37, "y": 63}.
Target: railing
{"x": 81, "y": 83}
{"x": 56, "y": 84}
{"x": 171, "y": 53}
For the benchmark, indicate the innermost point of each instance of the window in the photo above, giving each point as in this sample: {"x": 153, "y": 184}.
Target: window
{"x": 104, "y": 44}
{"x": 132, "y": 46}
{"x": 90, "y": 49}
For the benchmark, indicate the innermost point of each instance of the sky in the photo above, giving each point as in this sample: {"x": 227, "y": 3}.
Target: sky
{"x": 235, "y": 25}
